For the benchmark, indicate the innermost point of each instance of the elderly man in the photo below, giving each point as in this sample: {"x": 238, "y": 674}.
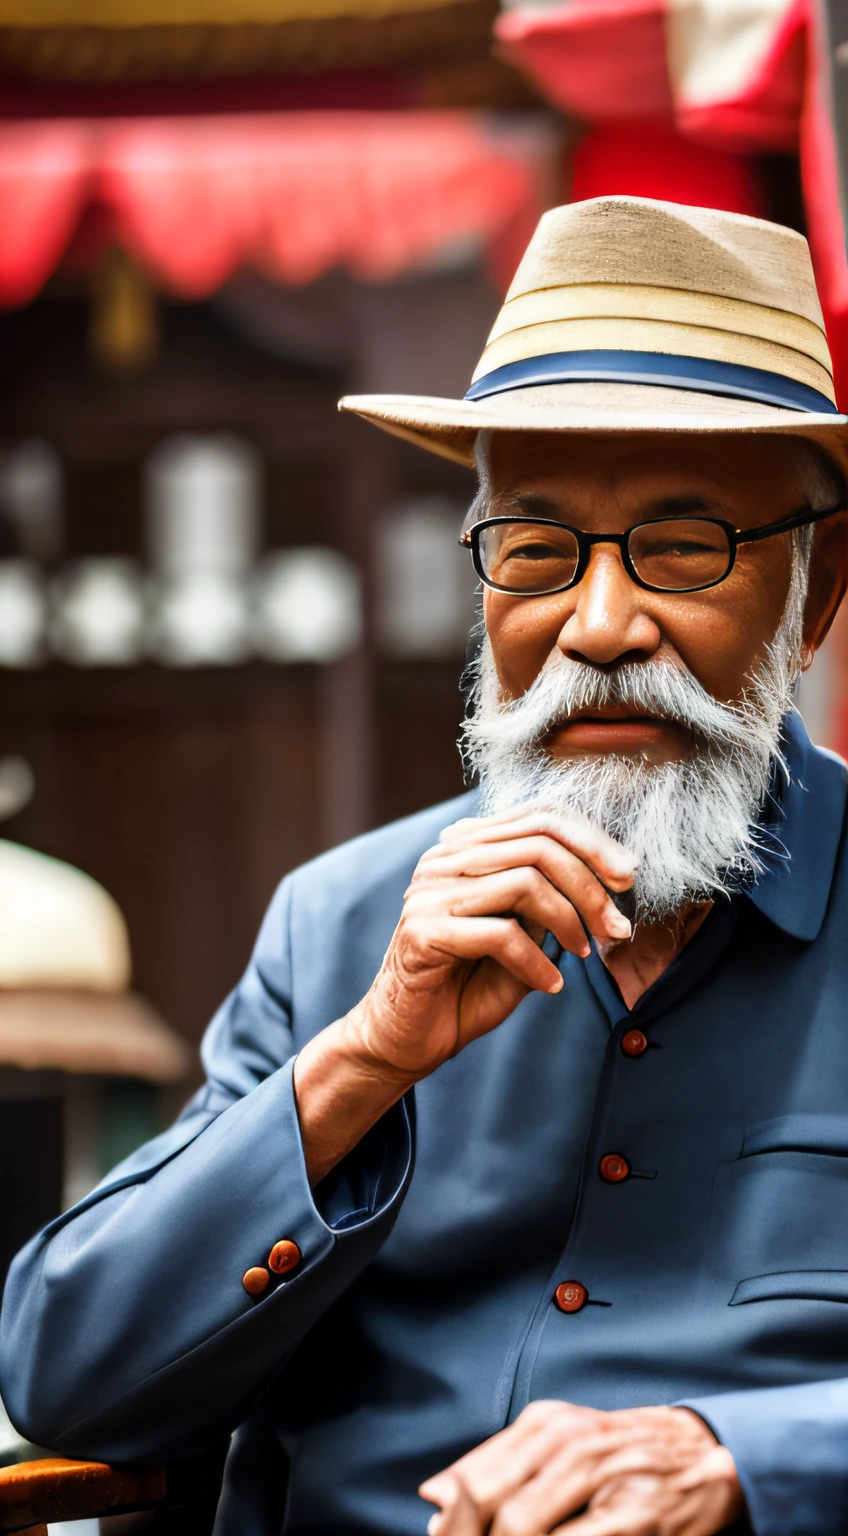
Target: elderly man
{"x": 521, "y": 1172}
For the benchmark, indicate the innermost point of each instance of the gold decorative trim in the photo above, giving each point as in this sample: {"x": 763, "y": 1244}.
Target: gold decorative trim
{"x": 676, "y": 306}
{"x": 192, "y": 13}
{"x": 418, "y": 37}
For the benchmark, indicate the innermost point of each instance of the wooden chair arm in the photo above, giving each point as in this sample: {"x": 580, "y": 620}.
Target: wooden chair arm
{"x": 35, "y": 1492}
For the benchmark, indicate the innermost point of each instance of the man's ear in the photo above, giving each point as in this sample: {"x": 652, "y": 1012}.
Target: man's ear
{"x": 827, "y": 583}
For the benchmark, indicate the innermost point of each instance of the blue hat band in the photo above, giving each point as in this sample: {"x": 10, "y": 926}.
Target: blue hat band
{"x": 658, "y": 368}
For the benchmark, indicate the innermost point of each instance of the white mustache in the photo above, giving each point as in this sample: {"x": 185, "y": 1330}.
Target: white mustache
{"x": 565, "y": 688}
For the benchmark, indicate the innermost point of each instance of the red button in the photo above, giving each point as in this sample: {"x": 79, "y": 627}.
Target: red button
{"x": 284, "y": 1255}
{"x": 256, "y": 1280}
{"x": 613, "y": 1168}
{"x": 571, "y": 1296}
{"x": 634, "y": 1042}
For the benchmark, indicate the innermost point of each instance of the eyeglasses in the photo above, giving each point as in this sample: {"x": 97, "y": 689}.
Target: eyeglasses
{"x": 533, "y": 557}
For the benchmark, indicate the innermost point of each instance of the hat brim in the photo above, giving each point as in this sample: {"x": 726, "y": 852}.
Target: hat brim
{"x": 450, "y": 427}
{"x": 97, "y": 1033}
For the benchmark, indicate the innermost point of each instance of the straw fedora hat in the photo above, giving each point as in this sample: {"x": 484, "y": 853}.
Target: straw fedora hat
{"x": 629, "y": 315}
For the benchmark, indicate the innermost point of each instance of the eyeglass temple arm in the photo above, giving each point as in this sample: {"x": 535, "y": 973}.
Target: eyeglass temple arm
{"x": 797, "y": 520}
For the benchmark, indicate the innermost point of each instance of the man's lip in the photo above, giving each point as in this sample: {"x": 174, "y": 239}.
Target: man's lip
{"x": 649, "y": 725}
{"x": 602, "y": 731}
{"x": 613, "y": 713}
{"x": 614, "y": 716}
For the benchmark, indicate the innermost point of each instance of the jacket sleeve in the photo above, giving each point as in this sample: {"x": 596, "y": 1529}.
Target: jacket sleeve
{"x": 126, "y": 1333}
{"x": 790, "y": 1445}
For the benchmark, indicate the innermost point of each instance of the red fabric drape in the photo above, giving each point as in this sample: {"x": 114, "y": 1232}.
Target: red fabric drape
{"x": 611, "y": 59}
{"x": 294, "y": 193}
{"x": 600, "y": 59}
{"x": 651, "y": 159}
{"x": 615, "y": 63}
{"x": 44, "y": 181}
{"x": 763, "y": 114}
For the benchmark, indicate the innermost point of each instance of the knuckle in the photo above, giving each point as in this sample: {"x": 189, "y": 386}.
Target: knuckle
{"x": 540, "y": 1411}
{"x": 446, "y": 834}
{"x": 423, "y": 874}
{"x": 458, "y": 829}
{"x": 571, "y": 826}
{"x": 530, "y": 881}
{"x": 512, "y": 1520}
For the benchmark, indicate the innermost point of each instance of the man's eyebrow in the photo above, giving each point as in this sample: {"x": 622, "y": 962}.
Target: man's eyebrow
{"x": 685, "y": 504}
{"x": 535, "y": 504}
{"x": 528, "y": 504}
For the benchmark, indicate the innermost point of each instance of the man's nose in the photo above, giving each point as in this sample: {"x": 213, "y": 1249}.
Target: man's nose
{"x": 608, "y": 621}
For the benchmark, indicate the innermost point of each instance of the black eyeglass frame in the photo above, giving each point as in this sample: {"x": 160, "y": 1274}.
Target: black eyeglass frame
{"x": 586, "y": 541}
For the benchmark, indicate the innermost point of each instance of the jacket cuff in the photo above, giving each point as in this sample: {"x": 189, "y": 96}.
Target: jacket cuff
{"x": 788, "y": 1444}
{"x": 364, "y": 1186}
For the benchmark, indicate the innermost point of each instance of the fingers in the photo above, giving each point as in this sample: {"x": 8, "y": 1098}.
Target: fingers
{"x": 551, "y": 871}
{"x": 613, "y": 864}
{"x": 646, "y": 1506}
{"x": 540, "y": 873}
{"x": 565, "y": 1483}
{"x": 630, "y": 1510}
{"x": 458, "y": 1515}
{"x": 497, "y": 1468}
{"x": 641, "y": 1472}
{"x": 522, "y": 893}
{"x": 498, "y": 938}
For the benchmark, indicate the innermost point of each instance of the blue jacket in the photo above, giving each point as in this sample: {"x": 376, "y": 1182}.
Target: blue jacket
{"x": 422, "y": 1317}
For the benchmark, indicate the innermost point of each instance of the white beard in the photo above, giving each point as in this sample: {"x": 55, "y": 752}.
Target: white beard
{"x": 691, "y": 824}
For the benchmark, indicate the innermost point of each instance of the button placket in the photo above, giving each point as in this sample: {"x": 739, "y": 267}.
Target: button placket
{"x": 572, "y": 1296}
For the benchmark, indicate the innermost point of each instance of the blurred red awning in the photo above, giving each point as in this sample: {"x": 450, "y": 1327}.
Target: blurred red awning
{"x": 733, "y": 77}
{"x": 680, "y": 99}
{"x": 292, "y": 193}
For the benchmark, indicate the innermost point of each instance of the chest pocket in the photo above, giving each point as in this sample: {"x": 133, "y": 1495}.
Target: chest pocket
{"x": 779, "y": 1226}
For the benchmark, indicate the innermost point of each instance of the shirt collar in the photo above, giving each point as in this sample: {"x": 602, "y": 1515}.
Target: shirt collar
{"x": 804, "y": 831}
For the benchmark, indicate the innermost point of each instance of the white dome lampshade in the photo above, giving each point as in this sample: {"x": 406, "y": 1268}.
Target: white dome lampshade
{"x": 64, "y": 978}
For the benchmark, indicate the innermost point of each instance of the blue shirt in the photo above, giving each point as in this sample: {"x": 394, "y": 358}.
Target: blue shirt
{"x": 422, "y": 1317}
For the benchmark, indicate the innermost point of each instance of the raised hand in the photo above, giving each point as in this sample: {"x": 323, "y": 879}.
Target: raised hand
{"x": 466, "y": 948}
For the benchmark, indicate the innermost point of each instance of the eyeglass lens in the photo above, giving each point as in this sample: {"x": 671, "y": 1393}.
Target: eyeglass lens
{"x": 672, "y": 554}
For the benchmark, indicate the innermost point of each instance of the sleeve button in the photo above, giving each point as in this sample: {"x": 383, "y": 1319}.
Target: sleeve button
{"x": 255, "y": 1281}
{"x": 284, "y": 1255}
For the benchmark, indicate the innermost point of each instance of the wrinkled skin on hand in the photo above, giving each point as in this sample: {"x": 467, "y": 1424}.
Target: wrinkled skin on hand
{"x": 466, "y": 948}
{"x": 634, "y": 1472}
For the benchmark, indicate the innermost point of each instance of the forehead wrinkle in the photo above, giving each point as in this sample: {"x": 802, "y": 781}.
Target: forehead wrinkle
{"x": 528, "y": 504}
{"x": 614, "y": 474}
{"x": 534, "y": 504}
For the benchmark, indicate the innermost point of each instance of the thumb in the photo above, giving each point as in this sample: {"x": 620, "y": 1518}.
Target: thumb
{"x": 459, "y": 1515}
